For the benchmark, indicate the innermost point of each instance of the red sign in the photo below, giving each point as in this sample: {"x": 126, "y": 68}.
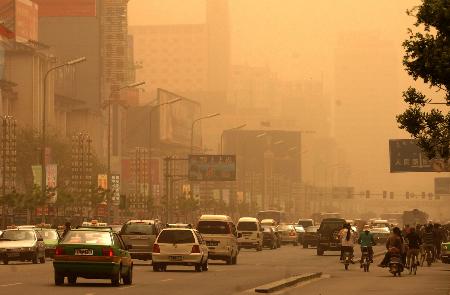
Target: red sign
{"x": 66, "y": 7}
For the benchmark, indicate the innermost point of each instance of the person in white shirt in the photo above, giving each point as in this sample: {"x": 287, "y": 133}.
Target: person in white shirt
{"x": 348, "y": 239}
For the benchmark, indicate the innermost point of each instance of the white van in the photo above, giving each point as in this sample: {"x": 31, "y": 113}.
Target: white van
{"x": 220, "y": 235}
{"x": 249, "y": 233}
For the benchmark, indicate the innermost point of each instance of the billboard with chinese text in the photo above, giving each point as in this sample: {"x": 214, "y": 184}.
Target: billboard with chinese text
{"x": 212, "y": 168}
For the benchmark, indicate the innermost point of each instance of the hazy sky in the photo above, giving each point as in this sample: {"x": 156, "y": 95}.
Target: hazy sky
{"x": 297, "y": 40}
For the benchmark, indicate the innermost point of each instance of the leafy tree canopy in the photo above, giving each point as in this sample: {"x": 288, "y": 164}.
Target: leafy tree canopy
{"x": 427, "y": 56}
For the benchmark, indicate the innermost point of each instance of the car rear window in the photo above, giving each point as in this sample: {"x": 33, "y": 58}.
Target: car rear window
{"x": 176, "y": 237}
{"x": 213, "y": 227}
{"x": 138, "y": 229}
{"x": 250, "y": 226}
{"x": 18, "y": 235}
{"x": 329, "y": 227}
{"x": 87, "y": 237}
{"x": 285, "y": 227}
{"x": 49, "y": 234}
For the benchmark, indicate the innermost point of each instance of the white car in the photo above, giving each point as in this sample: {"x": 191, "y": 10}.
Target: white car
{"x": 180, "y": 246}
{"x": 250, "y": 234}
{"x": 21, "y": 245}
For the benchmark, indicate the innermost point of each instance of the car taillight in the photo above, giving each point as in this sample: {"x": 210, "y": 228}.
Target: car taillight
{"x": 107, "y": 252}
{"x": 59, "y": 251}
{"x": 195, "y": 249}
{"x": 292, "y": 233}
{"x": 156, "y": 248}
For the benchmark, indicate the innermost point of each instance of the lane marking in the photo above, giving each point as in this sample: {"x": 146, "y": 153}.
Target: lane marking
{"x": 89, "y": 294}
{"x": 128, "y": 287}
{"x": 10, "y": 285}
{"x": 166, "y": 280}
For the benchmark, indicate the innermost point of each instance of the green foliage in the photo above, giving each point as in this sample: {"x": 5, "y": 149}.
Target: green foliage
{"x": 427, "y": 56}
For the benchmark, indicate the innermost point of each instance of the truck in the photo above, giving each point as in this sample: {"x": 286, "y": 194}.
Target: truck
{"x": 414, "y": 217}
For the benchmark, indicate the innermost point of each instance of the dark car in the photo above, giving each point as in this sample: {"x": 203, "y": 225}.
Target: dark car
{"x": 270, "y": 240}
{"x": 276, "y": 232}
{"x": 139, "y": 236}
{"x": 310, "y": 236}
{"x": 328, "y": 235}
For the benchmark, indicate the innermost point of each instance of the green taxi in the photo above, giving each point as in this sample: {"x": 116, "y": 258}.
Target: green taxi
{"x": 445, "y": 252}
{"x": 51, "y": 238}
{"x": 92, "y": 253}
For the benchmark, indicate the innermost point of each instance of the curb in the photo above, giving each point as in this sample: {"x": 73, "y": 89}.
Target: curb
{"x": 278, "y": 285}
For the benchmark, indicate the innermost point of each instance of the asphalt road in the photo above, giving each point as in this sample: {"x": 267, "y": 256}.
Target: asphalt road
{"x": 253, "y": 269}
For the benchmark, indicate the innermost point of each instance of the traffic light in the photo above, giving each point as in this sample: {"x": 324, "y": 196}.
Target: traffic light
{"x": 367, "y": 194}
{"x": 384, "y": 194}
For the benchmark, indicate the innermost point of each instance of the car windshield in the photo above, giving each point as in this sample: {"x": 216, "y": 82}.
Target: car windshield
{"x": 213, "y": 227}
{"x": 299, "y": 228}
{"x": 87, "y": 237}
{"x": 380, "y": 230}
{"x": 249, "y": 226}
{"x": 138, "y": 229}
{"x": 49, "y": 234}
{"x": 18, "y": 235}
{"x": 176, "y": 237}
{"x": 328, "y": 227}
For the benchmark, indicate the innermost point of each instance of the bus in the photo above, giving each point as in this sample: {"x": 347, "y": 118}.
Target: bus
{"x": 277, "y": 215}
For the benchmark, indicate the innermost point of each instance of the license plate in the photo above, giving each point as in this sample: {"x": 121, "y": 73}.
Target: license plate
{"x": 84, "y": 252}
{"x": 13, "y": 254}
{"x": 176, "y": 258}
{"x": 212, "y": 243}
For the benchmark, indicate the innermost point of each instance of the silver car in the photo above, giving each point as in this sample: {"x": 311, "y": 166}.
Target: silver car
{"x": 21, "y": 245}
{"x": 140, "y": 235}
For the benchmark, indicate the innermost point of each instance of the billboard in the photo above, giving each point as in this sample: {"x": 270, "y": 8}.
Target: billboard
{"x": 51, "y": 172}
{"x": 115, "y": 189}
{"x": 175, "y": 120}
{"x": 102, "y": 181}
{"x": 406, "y": 156}
{"x": 66, "y": 7}
{"x": 212, "y": 168}
{"x": 20, "y": 17}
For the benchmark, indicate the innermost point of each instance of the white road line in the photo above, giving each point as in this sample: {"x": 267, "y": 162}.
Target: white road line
{"x": 89, "y": 294}
{"x": 166, "y": 280}
{"x": 10, "y": 285}
{"x": 128, "y": 287}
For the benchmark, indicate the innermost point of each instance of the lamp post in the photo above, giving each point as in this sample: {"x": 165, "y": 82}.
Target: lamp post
{"x": 44, "y": 106}
{"x": 153, "y": 108}
{"x": 221, "y": 136}
{"x": 109, "y": 103}
{"x": 193, "y": 125}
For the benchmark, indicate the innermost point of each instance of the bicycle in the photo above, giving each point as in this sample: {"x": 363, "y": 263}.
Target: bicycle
{"x": 365, "y": 259}
{"x": 413, "y": 263}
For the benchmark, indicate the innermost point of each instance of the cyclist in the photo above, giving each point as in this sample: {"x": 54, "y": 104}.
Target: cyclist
{"x": 366, "y": 240}
{"x": 414, "y": 242}
{"x": 348, "y": 238}
{"x": 428, "y": 241}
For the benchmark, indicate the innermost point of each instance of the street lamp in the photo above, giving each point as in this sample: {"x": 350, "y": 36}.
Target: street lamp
{"x": 193, "y": 124}
{"x": 221, "y": 136}
{"x": 44, "y": 106}
{"x": 152, "y": 108}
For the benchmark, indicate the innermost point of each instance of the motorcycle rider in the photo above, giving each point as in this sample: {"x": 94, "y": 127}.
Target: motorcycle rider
{"x": 414, "y": 243}
{"x": 394, "y": 245}
{"x": 366, "y": 240}
{"x": 348, "y": 238}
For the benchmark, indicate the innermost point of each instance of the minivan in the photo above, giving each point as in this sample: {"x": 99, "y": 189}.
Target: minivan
{"x": 220, "y": 235}
{"x": 139, "y": 237}
{"x": 249, "y": 233}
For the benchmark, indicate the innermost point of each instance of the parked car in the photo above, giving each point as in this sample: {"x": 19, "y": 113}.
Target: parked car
{"x": 140, "y": 235}
{"x": 310, "y": 237}
{"x": 22, "y": 245}
{"x": 51, "y": 238}
{"x": 249, "y": 233}
{"x": 270, "y": 239}
{"x": 288, "y": 234}
{"x": 180, "y": 246}
{"x": 220, "y": 235}
{"x": 93, "y": 253}
{"x": 328, "y": 235}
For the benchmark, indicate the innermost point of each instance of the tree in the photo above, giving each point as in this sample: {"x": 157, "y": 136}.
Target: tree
{"x": 427, "y": 56}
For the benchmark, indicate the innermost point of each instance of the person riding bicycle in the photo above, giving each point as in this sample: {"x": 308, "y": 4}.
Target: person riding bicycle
{"x": 348, "y": 238}
{"x": 366, "y": 240}
{"x": 394, "y": 245}
{"x": 428, "y": 239}
{"x": 414, "y": 242}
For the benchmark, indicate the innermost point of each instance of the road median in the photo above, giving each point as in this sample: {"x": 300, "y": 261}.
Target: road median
{"x": 288, "y": 282}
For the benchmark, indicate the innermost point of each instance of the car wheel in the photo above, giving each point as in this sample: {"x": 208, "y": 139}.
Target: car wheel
{"x": 59, "y": 279}
{"x": 155, "y": 267}
{"x": 205, "y": 266}
{"x": 115, "y": 279}
{"x": 305, "y": 246}
{"x": 35, "y": 259}
{"x": 5, "y": 261}
{"x": 72, "y": 280}
{"x": 128, "y": 278}
{"x": 229, "y": 260}
{"x": 42, "y": 259}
